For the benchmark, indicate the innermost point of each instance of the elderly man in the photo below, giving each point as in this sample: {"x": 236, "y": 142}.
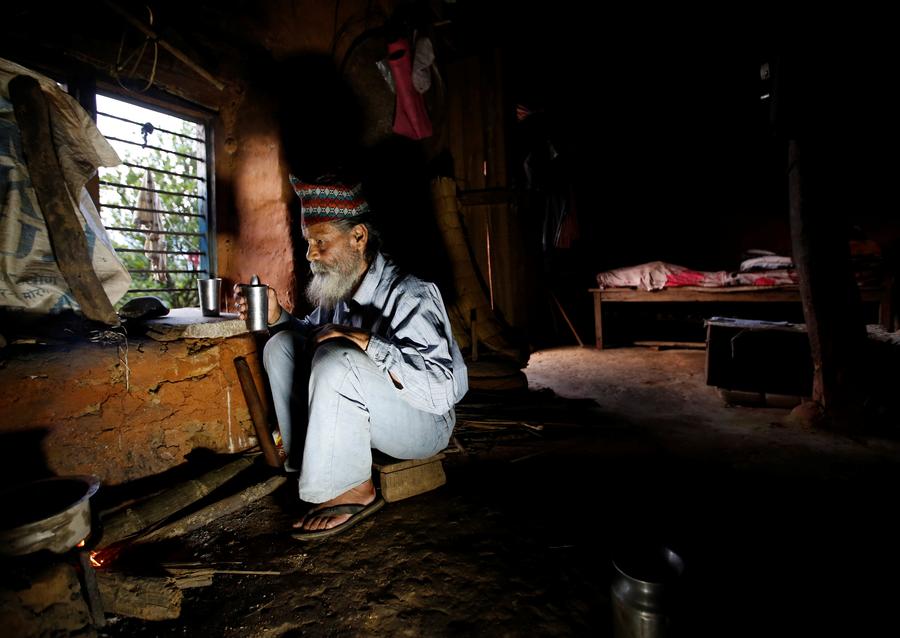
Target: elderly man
{"x": 385, "y": 370}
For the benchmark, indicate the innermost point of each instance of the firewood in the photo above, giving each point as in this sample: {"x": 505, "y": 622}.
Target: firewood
{"x": 133, "y": 520}
{"x": 144, "y": 597}
{"x": 214, "y": 511}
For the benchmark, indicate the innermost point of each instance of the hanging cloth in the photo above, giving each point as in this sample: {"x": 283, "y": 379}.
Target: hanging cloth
{"x": 148, "y": 220}
{"x": 410, "y": 116}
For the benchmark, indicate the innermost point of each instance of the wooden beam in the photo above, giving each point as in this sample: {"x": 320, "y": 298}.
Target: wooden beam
{"x": 178, "y": 53}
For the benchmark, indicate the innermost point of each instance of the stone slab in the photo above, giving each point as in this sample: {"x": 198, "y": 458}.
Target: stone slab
{"x": 189, "y": 323}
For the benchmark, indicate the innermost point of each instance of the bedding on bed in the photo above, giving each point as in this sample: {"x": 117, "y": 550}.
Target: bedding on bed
{"x": 656, "y": 275}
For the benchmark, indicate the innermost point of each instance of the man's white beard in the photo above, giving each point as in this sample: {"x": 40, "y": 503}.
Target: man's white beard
{"x": 329, "y": 285}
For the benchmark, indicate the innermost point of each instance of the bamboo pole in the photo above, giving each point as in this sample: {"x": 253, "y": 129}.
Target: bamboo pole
{"x": 471, "y": 297}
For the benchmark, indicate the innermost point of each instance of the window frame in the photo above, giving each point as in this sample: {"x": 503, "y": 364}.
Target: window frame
{"x": 174, "y": 109}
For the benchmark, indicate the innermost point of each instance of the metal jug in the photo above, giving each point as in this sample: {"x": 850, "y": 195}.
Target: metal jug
{"x": 257, "y": 296}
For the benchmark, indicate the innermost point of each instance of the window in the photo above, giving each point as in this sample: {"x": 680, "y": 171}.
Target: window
{"x": 155, "y": 205}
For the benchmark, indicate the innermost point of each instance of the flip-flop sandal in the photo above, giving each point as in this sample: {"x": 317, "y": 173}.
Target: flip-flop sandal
{"x": 357, "y": 513}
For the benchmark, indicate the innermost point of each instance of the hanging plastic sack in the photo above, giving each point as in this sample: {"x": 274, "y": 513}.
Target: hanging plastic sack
{"x": 29, "y": 276}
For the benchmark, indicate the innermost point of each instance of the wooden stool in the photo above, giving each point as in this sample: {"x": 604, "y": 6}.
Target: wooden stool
{"x": 403, "y": 479}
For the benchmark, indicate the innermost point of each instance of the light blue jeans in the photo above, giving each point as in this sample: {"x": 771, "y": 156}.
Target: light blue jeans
{"x": 349, "y": 406}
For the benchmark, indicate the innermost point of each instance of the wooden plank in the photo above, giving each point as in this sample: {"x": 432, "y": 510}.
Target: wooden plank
{"x": 686, "y": 294}
{"x": 497, "y": 168}
{"x": 512, "y": 292}
{"x": 473, "y": 125}
{"x": 148, "y": 598}
{"x": 216, "y": 510}
{"x": 490, "y": 115}
{"x": 63, "y": 227}
{"x": 135, "y": 519}
{"x": 476, "y": 219}
{"x": 397, "y": 486}
{"x": 739, "y": 294}
{"x": 455, "y": 118}
{"x": 386, "y": 464}
{"x": 405, "y": 479}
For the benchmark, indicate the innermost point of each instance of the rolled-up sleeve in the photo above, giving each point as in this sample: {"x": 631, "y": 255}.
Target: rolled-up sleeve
{"x": 416, "y": 351}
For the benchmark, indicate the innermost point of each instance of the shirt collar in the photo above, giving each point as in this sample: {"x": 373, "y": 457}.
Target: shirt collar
{"x": 365, "y": 294}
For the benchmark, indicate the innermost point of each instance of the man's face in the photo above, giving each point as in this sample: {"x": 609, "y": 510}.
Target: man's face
{"x": 336, "y": 259}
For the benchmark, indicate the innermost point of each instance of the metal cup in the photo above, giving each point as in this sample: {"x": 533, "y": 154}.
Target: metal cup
{"x": 644, "y": 592}
{"x": 257, "y": 296}
{"x": 210, "y": 296}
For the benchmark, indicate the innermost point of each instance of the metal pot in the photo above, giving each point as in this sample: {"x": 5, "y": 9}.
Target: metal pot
{"x": 643, "y": 592}
{"x": 52, "y": 514}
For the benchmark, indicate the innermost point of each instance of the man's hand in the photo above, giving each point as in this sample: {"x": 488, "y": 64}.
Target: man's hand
{"x": 329, "y": 331}
{"x": 240, "y": 304}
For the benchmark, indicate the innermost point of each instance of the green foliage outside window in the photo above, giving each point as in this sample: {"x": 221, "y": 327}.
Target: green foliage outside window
{"x": 185, "y": 267}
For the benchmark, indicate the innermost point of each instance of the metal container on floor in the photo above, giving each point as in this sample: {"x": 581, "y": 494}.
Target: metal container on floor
{"x": 643, "y": 592}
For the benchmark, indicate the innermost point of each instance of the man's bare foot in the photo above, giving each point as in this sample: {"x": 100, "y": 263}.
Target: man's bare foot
{"x": 363, "y": 494}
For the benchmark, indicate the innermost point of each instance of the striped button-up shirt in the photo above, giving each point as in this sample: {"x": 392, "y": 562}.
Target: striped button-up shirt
{"x": 410, "y": 334}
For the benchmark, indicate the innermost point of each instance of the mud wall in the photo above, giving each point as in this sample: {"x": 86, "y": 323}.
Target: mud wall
{"x": 80, "y": 410}
{"x": 290, "y": 107}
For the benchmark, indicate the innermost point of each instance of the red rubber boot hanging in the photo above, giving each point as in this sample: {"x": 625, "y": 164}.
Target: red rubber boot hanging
{"x": 410, "y": 116}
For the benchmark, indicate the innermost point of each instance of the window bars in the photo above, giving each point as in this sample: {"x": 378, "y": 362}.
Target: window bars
{"x": 155, "y": 205}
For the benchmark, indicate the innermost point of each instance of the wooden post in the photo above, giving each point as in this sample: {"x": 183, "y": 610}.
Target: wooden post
{"x": 258, "y": 412}
{"x": 817, "y": 138}
{"x": 598, "y": 320}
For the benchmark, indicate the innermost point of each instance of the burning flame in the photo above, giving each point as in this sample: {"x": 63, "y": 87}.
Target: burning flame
{"x": 96, "y": 560}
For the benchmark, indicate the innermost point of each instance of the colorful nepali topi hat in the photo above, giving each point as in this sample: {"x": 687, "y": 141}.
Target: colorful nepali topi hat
{"x": 329, "y": 202}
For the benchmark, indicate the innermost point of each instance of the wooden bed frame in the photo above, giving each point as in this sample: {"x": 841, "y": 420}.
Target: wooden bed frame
{"x": 731, "y": 294}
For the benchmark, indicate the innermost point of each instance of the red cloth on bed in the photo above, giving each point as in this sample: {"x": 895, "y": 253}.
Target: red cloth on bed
{"x": 656, "y": 275}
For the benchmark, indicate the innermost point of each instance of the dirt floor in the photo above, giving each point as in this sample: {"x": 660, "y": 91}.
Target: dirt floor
{"x": 784, "y": 531}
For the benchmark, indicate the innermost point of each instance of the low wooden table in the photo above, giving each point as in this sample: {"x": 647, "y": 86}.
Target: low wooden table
{"x": 732, "y": 294}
